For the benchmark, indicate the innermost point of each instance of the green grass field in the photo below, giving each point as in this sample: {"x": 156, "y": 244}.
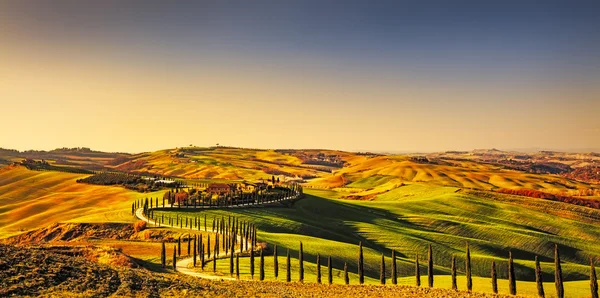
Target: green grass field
{"x": 413, "y": 216}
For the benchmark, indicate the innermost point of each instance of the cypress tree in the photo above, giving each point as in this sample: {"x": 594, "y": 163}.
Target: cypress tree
{"x": 494, "y": 278}
{"x": 262, "y": 266}
{"x": 252, "y": 263}
{"x": 288, "y": 273}
{"x": 179, "y": 246}
{"x": 174, "y": 259}
{"x": 189, "y": 240}
{"x": 538, "y": 278}
{"x": 430, "y": 266}
{"x": 208, "y": 247}
{"x": 394, "y": 273}
{"x": 329, "y": 271}
{"x": 453, "y": 270}
{"x": 195, "y": 255}
{"x": 163, "y": 255}
{"x": 361, "y": 277}
{"x": 205, "y": 229}
{"x": 202, "y": 257}
{"x": 275, "y": 263}
{"x": 231, "y": 263}
{"x": 237, "y": 266}
{"x": 558, "y": 280}
{"x": 301, "y": 264}
{"x": 346, "y": 278}
{"x": 593, "y": 279}
{"x": 215, "y": 261}
{"x": 468, "y": 269}
{"x": 512, "y": 282}
{"x": 318, "y": 269}
{"x": 417, "y": 271}
{"x": 382, "y": 270}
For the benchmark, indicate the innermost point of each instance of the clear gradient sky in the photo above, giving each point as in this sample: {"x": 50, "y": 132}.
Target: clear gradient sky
{"x": 350, "y": 75}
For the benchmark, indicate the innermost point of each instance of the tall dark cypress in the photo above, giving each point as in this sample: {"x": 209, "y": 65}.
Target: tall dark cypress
{"x": 394, "y": 269}
{"x": 275, "y": 263}
{"x": 593, "y": 279}
{"x": 179, "y": 246}
{"x": 453, "y": 270}
{"x": 202, "y": 260}
{"x": 417, "y": 271}
{"x": 361, "y": 276}
{"x": 430, "y": 266}
{"x": 538, "y": 278}
{"x": 195, "y": 255}
{"x": 318, "y": 269}
{"x": 558, "y": 279}
{"x": 189, "y": 240}
{"x": 174, "y": 258}
{"x": 252, "y": 263}
{"x": 208, "y": 247}
{"x": 163, "y": 255}
{"x": 262, "y": 266}
{"x": 301, "y": 264}
{"x": 329, "y": 270}
{"x": 237, "y": 266}
{"x": 512, "y": 282}
{"x": 216, "y": 255}
{"x": 494, "y": 277}
{"x": 288, "y": 269}
{"x": 231, "y": 261}
{"x": 382, "y": 270}
{"x": 346, "y": 278}
{"x": 468, "y": 269}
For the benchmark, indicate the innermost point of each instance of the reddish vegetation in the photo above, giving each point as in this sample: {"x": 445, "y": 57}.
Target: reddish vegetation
{"x": 552, "y": 197}
{"x": 139, "y": 226}
{"x": 588, "y": 173}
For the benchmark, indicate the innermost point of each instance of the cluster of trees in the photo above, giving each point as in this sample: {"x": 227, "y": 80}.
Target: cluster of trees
{"x": 588, "y": 173}
{"x": 129, "y": 181}
{"x": 552, "y": 197}
{"x": 43, "y": 165}
{"x": 194, "y": 198}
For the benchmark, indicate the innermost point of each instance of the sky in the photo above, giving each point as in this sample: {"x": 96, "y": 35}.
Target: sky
{"x": 393, "y": 76}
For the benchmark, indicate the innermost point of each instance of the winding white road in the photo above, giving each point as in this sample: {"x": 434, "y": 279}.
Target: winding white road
{"x": 185, "y": 265}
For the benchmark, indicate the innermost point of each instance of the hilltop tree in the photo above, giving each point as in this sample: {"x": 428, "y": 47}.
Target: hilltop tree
{"x": 382, "y": 270}
{"x": 453, "y": 270}
{"x": 494, "y": 278}
{"x": 394, "y": 270}
{"x": 538, "y": 278}
{"x": 288, "y": 269}
{"x": 163, "y": 255}
{"x": 262, "y": 266}
{"x": 468, "y": 269}
{"x": 593, "y": 279}
{"x": 558, "y": 279}
{"x": 318, "y": 269}
{"x": 301, "y": 264}
{"x": 430, "y": 266}
{"x": 361, "y": 276}
{"x": 512, "y": 282}
{"x": 417, "y": 271}
{"x": 273, "y": 179}
{"x": 275, "y": 263}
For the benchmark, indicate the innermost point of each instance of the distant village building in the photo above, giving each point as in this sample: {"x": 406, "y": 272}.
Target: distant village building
{"x": 218, "y": 188}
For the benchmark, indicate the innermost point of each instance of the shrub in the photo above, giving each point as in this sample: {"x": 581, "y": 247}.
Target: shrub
{"x": 139, "y": 226}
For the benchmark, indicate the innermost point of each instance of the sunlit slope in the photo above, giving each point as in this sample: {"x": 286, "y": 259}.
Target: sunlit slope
{"x": 32, "y": 199}
{"x": 412, "y": 217}
{"x": 384, "y": 173}
{"x": 225, "y": 163}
